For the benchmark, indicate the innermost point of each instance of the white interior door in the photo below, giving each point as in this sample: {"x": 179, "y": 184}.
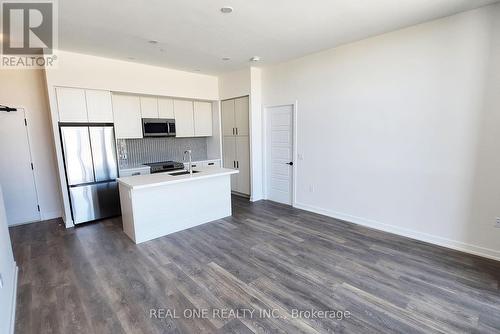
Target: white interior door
{"x": 228, "y": 127}
{"x": 279, "y": 148}
{"x": 243, "y": 164}
{"x": 229, "y": 158}
{"x": 16, "y": 175}
{"x": 241, "y": 116}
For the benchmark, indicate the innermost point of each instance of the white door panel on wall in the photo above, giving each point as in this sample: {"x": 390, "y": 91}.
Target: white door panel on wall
{"x": 241, "y": 116}
{"x": 279, "y": 146}
{"x": 228, "y": 125}
{"x": 16, "y": 174}
{"x": 202, "y": 119}
{"x": 99, "y": 108}
{"x": 184, "y": 121}
{"x": 149, "y": 107}
{"x": 165, "y": 108}
{"x": 71, "y": 105}
{"x": 243, "y": 164}
{"x": 229, "y": 158}
{"x": 127, "y": 115}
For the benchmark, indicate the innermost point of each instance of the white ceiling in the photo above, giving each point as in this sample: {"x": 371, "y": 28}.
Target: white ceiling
{"x": 195, "y": 35}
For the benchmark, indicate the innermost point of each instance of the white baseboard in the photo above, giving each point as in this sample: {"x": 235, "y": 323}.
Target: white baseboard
{"x": 14, "y": 301}
{"x": 440, "y": 241}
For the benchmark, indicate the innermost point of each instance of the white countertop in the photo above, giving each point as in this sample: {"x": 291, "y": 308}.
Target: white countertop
{"x": 160, "y": 179}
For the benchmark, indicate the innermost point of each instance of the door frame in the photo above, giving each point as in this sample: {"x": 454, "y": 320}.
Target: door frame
{"x": 35, "y": 181}
{"x": 265, "y": 121}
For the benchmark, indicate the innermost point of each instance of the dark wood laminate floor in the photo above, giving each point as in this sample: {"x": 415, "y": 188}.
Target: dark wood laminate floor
{"x": 93, "y": 279}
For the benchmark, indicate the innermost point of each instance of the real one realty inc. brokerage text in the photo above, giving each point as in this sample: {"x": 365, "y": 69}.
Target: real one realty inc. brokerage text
{"x": 249, "y": 313}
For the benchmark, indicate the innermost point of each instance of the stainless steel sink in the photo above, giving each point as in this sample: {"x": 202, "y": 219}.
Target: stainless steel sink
{"x": 184, "y": 172}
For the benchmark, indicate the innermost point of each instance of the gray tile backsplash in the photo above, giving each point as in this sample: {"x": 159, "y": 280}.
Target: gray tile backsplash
{"x": 145, "y": 150}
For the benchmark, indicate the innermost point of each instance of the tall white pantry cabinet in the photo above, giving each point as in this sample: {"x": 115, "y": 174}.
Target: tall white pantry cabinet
{"x": 235, "y": 142}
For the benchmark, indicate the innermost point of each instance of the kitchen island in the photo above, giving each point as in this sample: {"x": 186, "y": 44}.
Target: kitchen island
{"x": 155, "y": 205}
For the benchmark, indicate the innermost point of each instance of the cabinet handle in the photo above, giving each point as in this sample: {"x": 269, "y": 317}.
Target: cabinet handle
{"x": 233, "y": 131}
{"x": 234, "y": 164}
{"x": 211, "y": 163}
{"x": 237, "y": 164}
{"x": 236, "y": 131}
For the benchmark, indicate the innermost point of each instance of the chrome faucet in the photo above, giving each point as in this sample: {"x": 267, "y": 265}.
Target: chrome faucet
{"x": 190, "y": 164}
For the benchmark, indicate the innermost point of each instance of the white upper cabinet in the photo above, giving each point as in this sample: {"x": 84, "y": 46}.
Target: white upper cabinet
{"x": 228, "y": 127}
{"x": 99, "y": 109}
{"x": 184, "y": 119}
{"x": 127, "y": 114}
{"x": 84, "y": 105}
{"x": 202, "y": 119}
{"x": 149, "y": 107}
{"x": 71, "y": 105}
{"x": 165, "y": 107}
{"x": 241, "y": 116}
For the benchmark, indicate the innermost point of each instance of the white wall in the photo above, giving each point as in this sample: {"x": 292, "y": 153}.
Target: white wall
{"x": 234, "y": 84}
{"x": 256, "y": 157}
{"x": 399, "y": 131}
{"x": 9, "y": 272}
{"x": 26, "y": 88}
{"x": 78, "y": 70}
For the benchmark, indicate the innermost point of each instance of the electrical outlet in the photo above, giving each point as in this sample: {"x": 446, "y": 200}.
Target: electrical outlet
{"x": 497, "y": 222}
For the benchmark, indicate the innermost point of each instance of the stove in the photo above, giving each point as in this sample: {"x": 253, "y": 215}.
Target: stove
{"x": 165, "y": 166}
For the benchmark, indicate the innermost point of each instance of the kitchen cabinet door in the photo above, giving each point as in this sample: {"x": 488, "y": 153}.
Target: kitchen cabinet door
{"x": 229, "y": 158}
{"x": 127, "y": 115}
{"x": 184, "y": 121}
{"x": 99, "y": 108}
{"x": 241, "y": 116}
{"x": 149, "y": 107}
{"x": 202, "y": 119}
{"x": 71, "y": 105}
{"x": 166, "y": 108}
{"x": 243, "y": 164}
{"x": 227, "y": 114}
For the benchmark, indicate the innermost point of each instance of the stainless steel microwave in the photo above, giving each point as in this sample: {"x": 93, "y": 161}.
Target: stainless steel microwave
{"x": 158, "y": 127}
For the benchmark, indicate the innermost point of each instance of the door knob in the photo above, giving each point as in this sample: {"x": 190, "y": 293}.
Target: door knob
{"x": 290, "y": 163}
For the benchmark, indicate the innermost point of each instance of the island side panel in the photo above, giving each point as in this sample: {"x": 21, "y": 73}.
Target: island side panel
{"x": 166, "y": 209}
{"x": 127, "y": 212}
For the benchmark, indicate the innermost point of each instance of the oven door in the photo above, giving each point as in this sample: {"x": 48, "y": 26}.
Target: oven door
{"x": 152, "y": 127}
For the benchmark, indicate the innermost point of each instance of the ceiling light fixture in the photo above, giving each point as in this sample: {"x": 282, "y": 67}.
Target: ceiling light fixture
{"x": 255, "y": 59}
{"x": 226, "y": 9}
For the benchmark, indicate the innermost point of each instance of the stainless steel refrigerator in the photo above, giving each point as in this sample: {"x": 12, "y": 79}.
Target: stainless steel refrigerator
{"x": 91, "y": 170}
